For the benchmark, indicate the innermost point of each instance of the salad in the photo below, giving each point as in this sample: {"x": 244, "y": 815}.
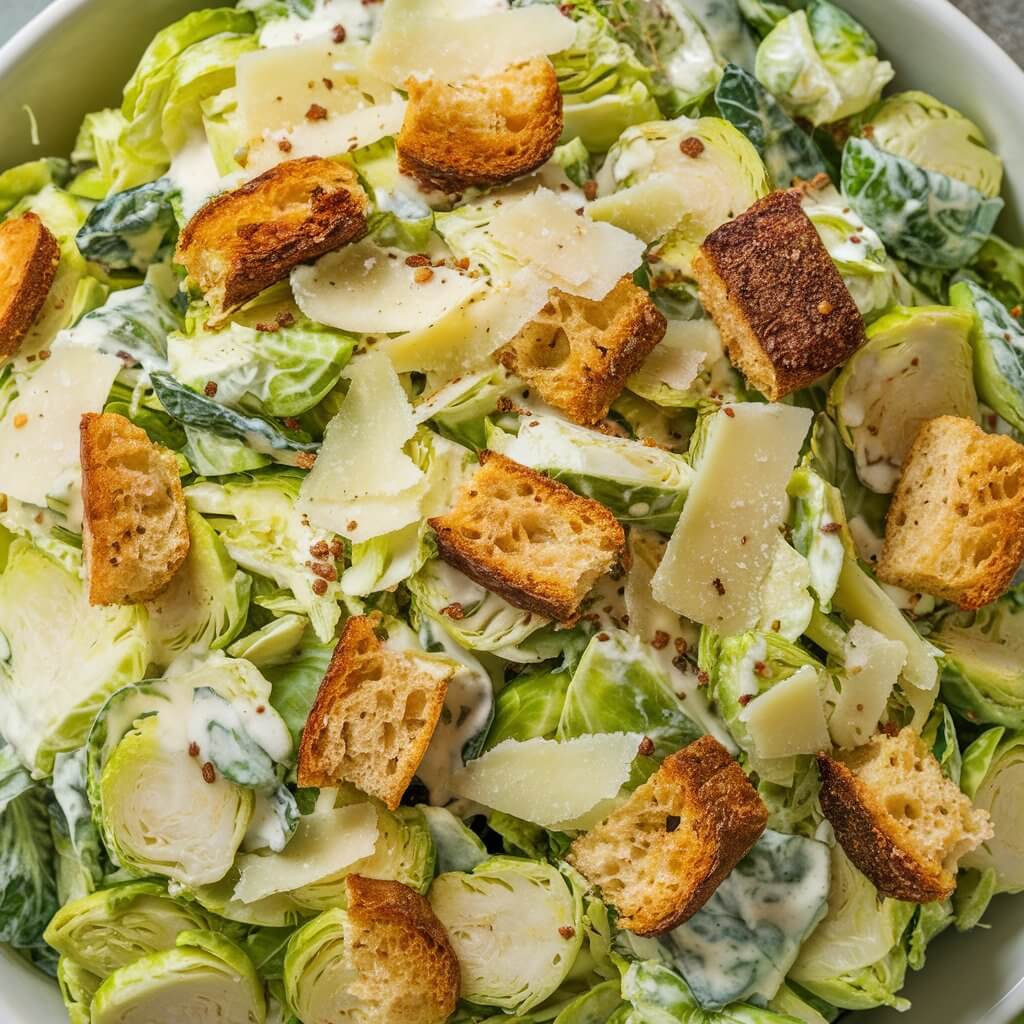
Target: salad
{"x": 509, "y": 511}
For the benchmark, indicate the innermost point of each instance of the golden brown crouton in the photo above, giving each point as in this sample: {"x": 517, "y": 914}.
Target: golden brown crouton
{"x": 768, "y": 282}
{"x": 29, "y": 255}
{"x": 528, "y": 538}
{"x": 659, "y": 857}
{"x": 135, "y": 534}
{"x": 374, "y": 714}
{"x": 406, "y": 971}
{"x": 244, "y": 241}
{"x": 955, "y": 528}
{"x": 481, "y": 131}
{"x": 898, "y": 818}
{"x": 578, "y": 353}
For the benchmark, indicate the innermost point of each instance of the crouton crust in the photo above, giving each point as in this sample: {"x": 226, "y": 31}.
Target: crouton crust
{"x": 373, "y": 717}
{"x": 528, "y": 538}
{"x": 407, "y": 967}
{"x": 579, "y": 353}
{"x": 243, "y": 241}
{"x": 890, "y": 852}
{"x": 135, "y": 531}
{"x": 955, "y": 528}
{"x": 693, "y": 820}
{"x": 29, "y": 255}
{"x": 785, "y": 314}
{"x": 481, "y": 132}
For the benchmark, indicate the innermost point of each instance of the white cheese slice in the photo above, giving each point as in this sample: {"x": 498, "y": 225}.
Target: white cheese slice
{"x": 40, "y": 434}
{"x": 649, "y": 209}
{"x": 361, "y": 474}
{"x": 465, "y": 338}
{"x": 788, "y": 719}
{"x": 325, "y": 844}
{"x": 578, "y": 255}
{"x": 723, "y": 545}
{"x": 367, "y": 290}
{"x": 872, "y": 665}
{"x": 689, "y": 346}
{"x": 547, "y": 782}
{"x": 413, "y": 41}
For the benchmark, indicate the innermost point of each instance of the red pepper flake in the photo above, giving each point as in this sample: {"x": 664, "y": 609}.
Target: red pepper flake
{"x": 338, "y": 33}
{"x": 462, "y": 264}
{"x": 336, "y": 548}
{"x": 211, "y": 388}
{"x": 719, "y": 586}
{"x": 681, "y": 645}
{"x": 260, "y": 708}
{"x": 285, "y": 318}
{"x": 209, "y": 773}
{"x": 1015, "y": 313}
{"x": 860, "y": 707}
{"x": 285, "y": 145}
{"x": 193, "y": 749}
{"x": 744, "y": 699}
{"x": 776, "y": 625}
{"x": 319, "y": 550}
{"x": 305, "y": 460}
{"x": 603, "y": 637}
{"x": 729, "y": 411}
{"x": 417, "y": 259}
{"x": 691, "y": 147}
{"x": 324, "y": 570}
{"x": 423, "y": 275}
{"x": 761, "y": 669}
{"x": 855, "y": 239}
{"x": 646, "y": 747}
{"x": 830, "y": 527}
{"x": 660, "y": 641}
{"x": 567, "y": 932}
{"x": 590, "y": 190}
{"x": 316, "y": 112}
{"x": 319, "y": 587}
{"x": 328, "y": 84}
{"x": 454, "y": 611}
{"x": 291, "y": 423}
{"x": 45, "y": 354}
{"x": 703, "y": 679}
{"x": 20, "y": 420}
{"x": 351, "y": 526}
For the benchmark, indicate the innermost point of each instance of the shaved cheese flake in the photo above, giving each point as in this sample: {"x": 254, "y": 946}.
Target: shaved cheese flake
{"x": 687, "y": 348}
{"x": 362, "y": 459}
{"x": 466, "y": 337}
{"x": 369, "y": 290}
{"x": 325, "y": 844}
{"x": 648, "y": 210}
{"x": 872, "y": 664}
{"x": 788, "y": 719}
{"x": 577, "y": 255}
{"x": 40, "y": 435}
{"x": 547, "y": 782}
{"x": 726, "y": 538}
{"x": 415, "y": 41}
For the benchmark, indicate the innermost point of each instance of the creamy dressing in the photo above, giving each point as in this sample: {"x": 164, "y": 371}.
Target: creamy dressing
{"x": 194, "y": 173}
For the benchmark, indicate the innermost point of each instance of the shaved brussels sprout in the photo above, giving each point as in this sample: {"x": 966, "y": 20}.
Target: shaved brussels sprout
{"x": 115, "y": 927}
{"x": 921, "y": 215}
{"x": 818, "y": 520}
{"x": 62, "y": 657}
{"x": 1000, "y": 268}
{"x": 77, "y": 987}
{"x": 81, "y": 862}
{"x": 915, "y": 366}
{"x": 993, "y": 777}
{"x": 318, "y": 970}
{"x": 925, "y": 131}
{"x": 272, "y": 644}
{"x": 516, "y": 927}
{"x": 594, "y": 1007}
{"x": 821, "y": 64}
{"x": 205, "y": 979}
{"x": 458, "y": 848}
{"x": 998, "y": 342}
{"x": 529, "y": 707}
{"x": 983, "y": 670}
{"x": 642, "y": 485}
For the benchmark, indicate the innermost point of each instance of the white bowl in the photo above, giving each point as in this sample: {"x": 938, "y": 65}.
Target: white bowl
{"x": 75, "y": 57}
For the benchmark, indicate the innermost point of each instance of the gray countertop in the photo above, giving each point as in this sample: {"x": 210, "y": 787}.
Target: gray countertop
{"x": 1003, "y": 20}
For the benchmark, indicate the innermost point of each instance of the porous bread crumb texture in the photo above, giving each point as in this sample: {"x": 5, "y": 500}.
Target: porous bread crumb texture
{"x": 135, "y": 532}
{"x": 406, "y": 969}
{"x": 529, "y": 538}
{"x": 243, "y": 241}
{"x": 956, "y": 525}
{"x": 768, "y": 282}
{"x": 660, "y": 856}
{"x": 901, "y": 821}
{"x": 29, "y": 255}
{"x": 481, "y": 131}
{"x": 373, "y": 716}
{"x": 578, "y": 353}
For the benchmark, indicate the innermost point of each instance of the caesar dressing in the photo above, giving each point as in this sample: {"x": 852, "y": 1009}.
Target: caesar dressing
{"x": 194, "y": 173}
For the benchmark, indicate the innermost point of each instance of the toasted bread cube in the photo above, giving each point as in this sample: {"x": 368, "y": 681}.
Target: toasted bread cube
{"x": 135, "y": 534}
{"x": 955, "y": 528}
{"x": 898, "y": 818}
{"x": 769, "y": 284}
{"x": 242, "y": 242}
{"x": 529, "y": 538}
{"x": 660, "y": 856}
{"x": 29, "y": 255}
{"x": 406, "y": 971}
{"x": 481, "y": 131}
{"x": 373, "y": 716}
{"x": 578, "y": 353}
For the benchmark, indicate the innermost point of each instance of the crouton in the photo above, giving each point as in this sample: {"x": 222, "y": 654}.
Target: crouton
{"x": 373, "y": 716}
{"x": 406, "y": 971}
{"x": 528, "y": 538}
{"x": 135, "y": 534}
{"x": 29, "y": 255}
{"x": 243, "y": 241}
{"x": 898, "y": 818}
{"x": 578, "y": 353}
{"x": 481, "y": 131}
{"x": 660, "y": 856}
{"x": 955, "y": 528}
{"x": 769, "y": 284}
